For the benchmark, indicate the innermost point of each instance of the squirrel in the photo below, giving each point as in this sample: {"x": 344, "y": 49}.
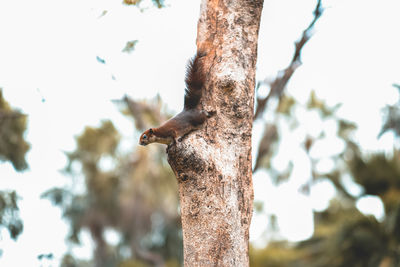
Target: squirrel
{"x": 190, "y": 118}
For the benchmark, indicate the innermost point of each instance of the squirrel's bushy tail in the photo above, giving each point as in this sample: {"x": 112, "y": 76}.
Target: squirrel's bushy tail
{"x": 194, "y": 81}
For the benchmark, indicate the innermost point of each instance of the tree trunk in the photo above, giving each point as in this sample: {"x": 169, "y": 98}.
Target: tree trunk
{"x": 213, "y": 164}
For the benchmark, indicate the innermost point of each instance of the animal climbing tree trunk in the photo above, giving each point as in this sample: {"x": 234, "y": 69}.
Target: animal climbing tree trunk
{"x": 213, "y": 164}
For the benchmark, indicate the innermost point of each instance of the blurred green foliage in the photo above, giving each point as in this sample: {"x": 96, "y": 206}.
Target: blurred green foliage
{"x": 130, "y": 46}
{"x": 13, "y": 146}
{"x": 134, "y": 194}
{"x": 343, "y": 236}
{"x": 9, "y": 217}
{"x": 392, "y": 117}
{"x": 157, "y": 3}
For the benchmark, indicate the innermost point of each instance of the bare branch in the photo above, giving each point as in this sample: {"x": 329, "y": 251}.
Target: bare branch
{"x": 270, "y": 136}
{"x": 283, "y": 77}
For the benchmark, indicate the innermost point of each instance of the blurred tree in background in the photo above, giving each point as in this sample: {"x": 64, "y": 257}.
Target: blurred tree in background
{"x": 343, "y": 236}
{"x": 13, "y": 148}
{"x": 133, "y": 193}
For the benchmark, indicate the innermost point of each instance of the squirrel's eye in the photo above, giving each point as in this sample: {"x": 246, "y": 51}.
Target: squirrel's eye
{"x": 144, "y": 136}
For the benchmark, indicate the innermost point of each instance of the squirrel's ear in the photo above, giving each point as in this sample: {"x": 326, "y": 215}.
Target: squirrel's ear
{"x": 151, "y": 131}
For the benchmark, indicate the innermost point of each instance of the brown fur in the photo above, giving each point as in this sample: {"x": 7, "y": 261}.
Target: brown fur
{"x": 190, "y": 118}
{"x": 180, "y": 125}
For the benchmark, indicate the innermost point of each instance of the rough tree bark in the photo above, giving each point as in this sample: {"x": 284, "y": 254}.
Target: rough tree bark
{"x": 213, "y": 165}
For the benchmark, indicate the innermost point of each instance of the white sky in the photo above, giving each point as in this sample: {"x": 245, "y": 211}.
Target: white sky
{"x": 48, "y": 49}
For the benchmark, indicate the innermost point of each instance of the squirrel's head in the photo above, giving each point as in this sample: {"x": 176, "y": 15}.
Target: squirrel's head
{"x": 147, "y": 137}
